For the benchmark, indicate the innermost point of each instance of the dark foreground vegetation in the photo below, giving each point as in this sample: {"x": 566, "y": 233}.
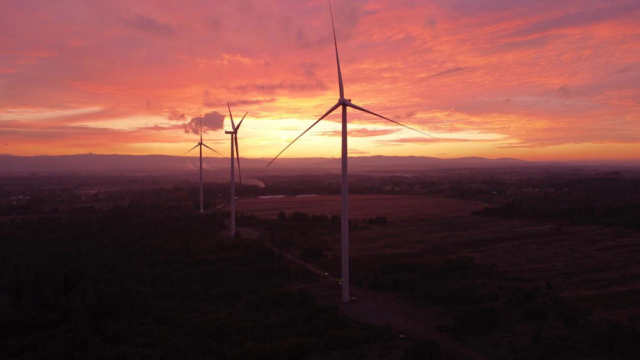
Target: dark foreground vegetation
{"x": 120, "y": 267}
{"x": 608, "y": 198}
{"x": 503, "y": 316}
{"x": 507, "y": 316}
{"x": 147, "y": 283}
{"x": 624, "y": 214}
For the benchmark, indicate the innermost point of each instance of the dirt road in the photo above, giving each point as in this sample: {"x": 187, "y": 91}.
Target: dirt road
{"x": 382, "y": 309}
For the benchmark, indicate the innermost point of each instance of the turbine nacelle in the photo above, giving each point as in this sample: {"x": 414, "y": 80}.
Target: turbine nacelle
{"x": 234, "y": 139}
{"x": 343, "y": 101}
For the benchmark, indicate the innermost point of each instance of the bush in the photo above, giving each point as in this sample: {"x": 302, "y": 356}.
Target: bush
{"x": 476, "y": 321}
{"x": 619, "y": 339}
{"x": 285, "y": 242}
{"x": 294, "y": 349}
{"x": 290, "y": 349}
{"x": 398, "y": 268}
{"x": 298, "y": 216}
{"x": 450, "y": 293}
{"x": 260, "y": 255}
{"x": 535, "y": 313}
{"x": 427, "y": 350}
{"x": 302, "y": 298}
{"x": 378, "y": 220}
{"x": 321, "y": 324}
{"x": 521, "y": 296}
{"x": 345, "y": 339}
{"x": 407, "y": 282}
{"x": 268, "y": 301}
{"x": 312, "y": 252}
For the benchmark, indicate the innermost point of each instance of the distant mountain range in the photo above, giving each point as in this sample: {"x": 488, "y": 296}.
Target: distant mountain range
{"x": 93, "y": 163}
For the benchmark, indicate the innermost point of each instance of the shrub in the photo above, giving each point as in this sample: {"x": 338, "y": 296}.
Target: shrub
{"x": 427, "y": 350}
{"x": 302, "y": 298}
{"x": 345, "y": 339}
{"x": 260, "y": 255}
{"x": 521, "y": 296}
{"x": 450, "y": 293}
{"x": 476, "y": 321}
{"x": 285, "y": 242}
{"x": 619, "y": 339}
{"x": 398, "y": 268}
{"x": 407, "y": 282}
{"x": 312, "y": 252}
{"x": 378, "y": 220}
{"x": 535, "y": 313}
{"x": 268, "y": 301}
{"x": 298, "y": 216}
{"x": 324, "y": 323}
{"x": 293, "y": 349}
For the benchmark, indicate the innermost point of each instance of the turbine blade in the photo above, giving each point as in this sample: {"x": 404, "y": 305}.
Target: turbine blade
{"x": 235, "y": 139}
{"x": 205, "y": 145}
{"x": 241, "y": 120}
{"x": 304, "y": 132}
{"x": 335, "y": 42}
{"x": 200, "y": 116}
{"x": 190, "y": 150}
{"x": 233, "y": 125}
{"x": 393, "y": 121}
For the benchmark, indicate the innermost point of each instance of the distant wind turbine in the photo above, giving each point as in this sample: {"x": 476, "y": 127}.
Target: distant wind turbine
{"x": 344, "y": 103}
{"x": 234, "y": 142}
{"x": 201, "y": 144}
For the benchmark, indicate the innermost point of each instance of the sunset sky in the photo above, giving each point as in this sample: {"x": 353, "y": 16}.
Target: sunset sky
{"x": 535, "y": 80}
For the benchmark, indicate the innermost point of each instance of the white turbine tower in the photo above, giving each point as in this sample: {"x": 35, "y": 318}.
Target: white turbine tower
{"x": 201, "y": 144}
{"x": 234, "y": 142}
{"x": 344, "y": 104}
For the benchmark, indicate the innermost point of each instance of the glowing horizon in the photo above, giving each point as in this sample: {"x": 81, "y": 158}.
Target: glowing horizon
{"x": 534, "y": 80}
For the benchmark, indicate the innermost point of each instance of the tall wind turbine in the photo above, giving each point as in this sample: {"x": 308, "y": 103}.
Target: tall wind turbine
{"x": 201, "y": 144}
{"x": 234, "y": 142}
{"x": 344, "y": 104}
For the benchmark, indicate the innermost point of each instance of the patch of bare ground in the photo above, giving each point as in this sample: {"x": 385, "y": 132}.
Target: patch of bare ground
{"x": 593, "y": 267}
{"x": 386, "y": 309}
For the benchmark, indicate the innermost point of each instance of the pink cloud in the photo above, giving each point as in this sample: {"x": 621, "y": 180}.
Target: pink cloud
{"x": 539, "y": 73}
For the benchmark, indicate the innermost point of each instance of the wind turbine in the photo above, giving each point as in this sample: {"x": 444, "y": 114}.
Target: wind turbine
{"x": 234, "y": 142}
{"x": 201, "y": 144}
{"x": 344, "y": 104}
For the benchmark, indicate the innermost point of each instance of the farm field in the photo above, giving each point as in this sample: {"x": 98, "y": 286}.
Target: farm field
{"x": 593, "y": 265}
{"x": 394, "y": 207}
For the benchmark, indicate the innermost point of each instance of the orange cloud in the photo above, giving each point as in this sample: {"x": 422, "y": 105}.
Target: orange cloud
{"x": 529, "y": 76}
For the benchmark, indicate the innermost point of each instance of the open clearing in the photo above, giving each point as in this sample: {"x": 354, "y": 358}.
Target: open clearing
{"x": 394, "y": 207}
{"x": 592, "y": 264}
